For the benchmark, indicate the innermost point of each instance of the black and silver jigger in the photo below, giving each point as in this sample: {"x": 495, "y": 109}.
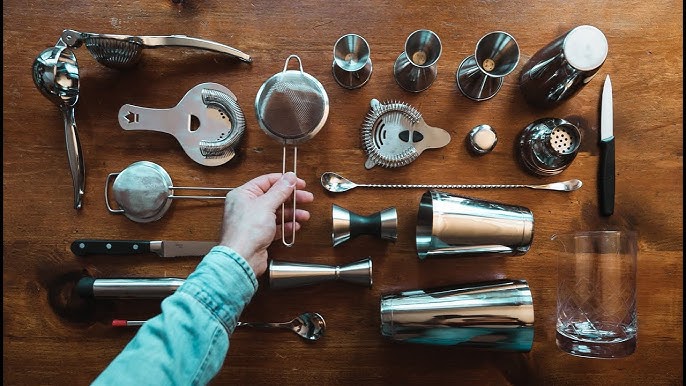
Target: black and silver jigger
{"x": 347, "y": 225}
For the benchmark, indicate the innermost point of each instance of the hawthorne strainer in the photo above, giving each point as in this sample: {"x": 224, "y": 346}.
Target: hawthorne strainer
{"x": 548, "y": 146}
{"x": 291, "y": 107}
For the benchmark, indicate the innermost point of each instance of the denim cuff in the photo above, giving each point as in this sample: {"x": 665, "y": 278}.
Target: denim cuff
{"x": 223, "y": 283}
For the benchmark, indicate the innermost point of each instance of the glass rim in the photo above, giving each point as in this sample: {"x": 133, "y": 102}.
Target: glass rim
{"x": 586, "y": 234}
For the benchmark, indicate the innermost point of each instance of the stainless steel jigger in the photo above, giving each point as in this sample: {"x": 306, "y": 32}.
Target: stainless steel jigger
{"x": 415, "y": 69}
{"x": 480, "y": 76}
{"x": 283, "y": 274}
{"x": 346, "y": 225}
{"x": 352, "y": 66}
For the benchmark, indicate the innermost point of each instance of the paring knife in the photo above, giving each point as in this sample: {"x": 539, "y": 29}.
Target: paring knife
{"x": 163, "y": 248}
{"x": 606, "y": 175}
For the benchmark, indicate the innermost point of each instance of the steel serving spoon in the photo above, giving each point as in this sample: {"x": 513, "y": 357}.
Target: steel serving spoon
{"x": 56, "y": 75}
{"x": 309, "y": 325}
{"x": 336, "y": 183}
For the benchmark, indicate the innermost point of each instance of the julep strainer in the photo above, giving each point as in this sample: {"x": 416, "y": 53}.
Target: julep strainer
{"x": 291, "y": 107}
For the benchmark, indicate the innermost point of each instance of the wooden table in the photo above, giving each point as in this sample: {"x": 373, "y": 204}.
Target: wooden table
{"x": 646, "y": 65}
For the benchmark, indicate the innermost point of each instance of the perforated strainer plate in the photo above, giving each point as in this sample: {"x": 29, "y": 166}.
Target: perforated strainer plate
{"x": 292, "y": 106}
{"x": 562, "y": 141}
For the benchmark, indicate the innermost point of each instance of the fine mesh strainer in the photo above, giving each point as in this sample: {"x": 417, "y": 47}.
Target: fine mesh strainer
{"x": 291, "y": 107}
{"x": 548, "y": 146}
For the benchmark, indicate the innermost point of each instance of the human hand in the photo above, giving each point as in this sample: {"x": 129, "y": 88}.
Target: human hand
{"x": 250, "y": 223}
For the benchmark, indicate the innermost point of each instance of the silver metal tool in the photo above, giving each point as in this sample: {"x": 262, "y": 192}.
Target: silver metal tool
{"x": 308, "y": 325}
{"x": 416, "y": 67}
{"x": 450, "y": 225}
{"x": 548, "y": 146}
{"x": 335, "y": 183}
{"x": 495, "y": 315}
{"x": 480, "y": 76}
{"x": 284, "y": 274}
{"x": 144, "y": 192}
{"x": 56, "y": 75}
{"x": 563, "y": 67}
{"x": 291, "y": 107}
{"x": 130, "y": 288}
{"x": 207, "y": 122}
{"x": 394, "y": 134}
{"x": 163, "y": 248}
{"x": 125, "y": 51}
{"x": 481, "y": 139}
{"x": 346, "y": 224}
{"x": 352, "y": 66}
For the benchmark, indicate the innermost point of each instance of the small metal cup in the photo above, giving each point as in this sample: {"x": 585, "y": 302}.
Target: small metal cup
{"x": 560, "y": 69}
{"x": 347, "y": 224}
{"x": 449, "y": 225}
{"x": 497, "y": 315}
{"x": 480, "y": 76}
{"x": 416, "y": 67}
{"x": 352, "y": 66}
{"x": 284, "y": 274}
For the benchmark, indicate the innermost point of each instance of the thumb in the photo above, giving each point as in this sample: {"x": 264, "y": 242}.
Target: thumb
{"x": 280, "y": 191}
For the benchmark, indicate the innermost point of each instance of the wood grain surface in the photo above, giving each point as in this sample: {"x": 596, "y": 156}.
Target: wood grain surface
{"x": 70, "y": 343}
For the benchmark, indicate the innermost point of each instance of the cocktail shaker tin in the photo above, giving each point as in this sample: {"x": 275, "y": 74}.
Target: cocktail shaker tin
{"x": 561, "y": 68}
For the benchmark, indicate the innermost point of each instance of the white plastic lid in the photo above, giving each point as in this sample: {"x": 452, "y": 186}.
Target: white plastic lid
{"x": 585, "y": 48}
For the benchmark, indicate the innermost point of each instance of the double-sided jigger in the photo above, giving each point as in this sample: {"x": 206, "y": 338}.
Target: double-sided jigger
{"x": 480, "y": 76}
{"x": 347, "y": 225}
{"x": 284, "y": 274}
{"x": 415, "y": 69}
{"x": 352, "y": 66}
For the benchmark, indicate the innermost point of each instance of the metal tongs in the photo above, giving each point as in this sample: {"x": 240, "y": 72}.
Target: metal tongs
{"x": 124, "y": 51}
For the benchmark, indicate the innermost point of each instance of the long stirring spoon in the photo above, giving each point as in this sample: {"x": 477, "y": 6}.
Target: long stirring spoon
{"x": 336, "y": 183}
{"x": 309, "y": 325}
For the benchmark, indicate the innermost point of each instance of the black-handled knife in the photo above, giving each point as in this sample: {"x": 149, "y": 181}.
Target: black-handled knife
{"x": 606, "y": 173}
{"x": 163, "y": 248}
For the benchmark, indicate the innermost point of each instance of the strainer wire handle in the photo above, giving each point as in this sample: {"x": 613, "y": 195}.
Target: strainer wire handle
{"x": 288, "y": 59}
{"x": 283, "y": 206}
{"x": 107, "y": 200}
{"x": 199, "y": 188}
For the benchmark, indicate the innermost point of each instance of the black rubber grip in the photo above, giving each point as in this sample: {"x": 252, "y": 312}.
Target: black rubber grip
{"x": 84, "y": 287}
{"x": 365, "y": 225}
{"x": 109, "y": 247}
{"x": 606, "y": 177}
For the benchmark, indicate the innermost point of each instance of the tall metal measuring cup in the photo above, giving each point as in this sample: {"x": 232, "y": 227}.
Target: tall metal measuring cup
{"x": 453, "y": 225}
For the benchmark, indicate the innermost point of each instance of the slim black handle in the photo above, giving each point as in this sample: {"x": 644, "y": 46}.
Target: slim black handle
{"x": 109, "y": 247}
{"x": 606, "y": 177}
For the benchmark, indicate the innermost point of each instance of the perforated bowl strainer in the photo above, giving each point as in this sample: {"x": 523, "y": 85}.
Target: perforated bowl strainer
{"x": 291, "y": 107}
{"x": 548, "y": 146}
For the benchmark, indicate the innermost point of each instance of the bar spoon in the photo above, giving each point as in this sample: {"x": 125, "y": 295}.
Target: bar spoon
{"x": 309, "y": 325}
{"x": 336, "y": 183}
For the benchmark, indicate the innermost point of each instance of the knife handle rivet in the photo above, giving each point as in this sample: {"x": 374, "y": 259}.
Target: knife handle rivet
{"x": 82, "y": 245}
{"x": 108, "y": 246}
{"x": 135, "y": 247}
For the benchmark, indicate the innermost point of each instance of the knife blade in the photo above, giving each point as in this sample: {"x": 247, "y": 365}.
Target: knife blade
{"x": 606, "y": 175}
{"x": 163, "y": 248}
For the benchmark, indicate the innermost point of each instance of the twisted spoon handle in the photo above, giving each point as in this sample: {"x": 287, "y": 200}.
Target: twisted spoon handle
{"x": 414, "y": 186}
{"x": 263, "y": 325}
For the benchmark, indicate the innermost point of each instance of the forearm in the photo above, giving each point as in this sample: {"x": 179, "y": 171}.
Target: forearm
{"x": 188, "y": 341}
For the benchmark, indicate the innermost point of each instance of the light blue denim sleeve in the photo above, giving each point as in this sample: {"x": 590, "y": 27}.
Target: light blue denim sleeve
{"x": 187, "y": 343}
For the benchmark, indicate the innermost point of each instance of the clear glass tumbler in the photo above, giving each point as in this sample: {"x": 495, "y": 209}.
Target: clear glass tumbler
{"x": 596, "y": 293}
